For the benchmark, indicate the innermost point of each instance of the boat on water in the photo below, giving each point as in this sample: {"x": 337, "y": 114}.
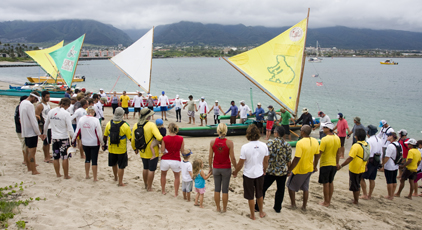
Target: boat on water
{"x": 48, "y": 79}
{"x": 316, "y": 59}
{"x": 389, "y": 62}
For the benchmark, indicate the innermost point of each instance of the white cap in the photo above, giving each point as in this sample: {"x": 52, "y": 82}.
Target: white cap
{"x": 328, "y": 125}
{"x": 242, "y": 101}
{"x": 411, "y": 141}
{"x": 304, "y": 110}
{"x": 101, "y": 89}
{"x": 216, "y": 101}
{"x": 177, "y": 96}
{"x": 202, "y": 97}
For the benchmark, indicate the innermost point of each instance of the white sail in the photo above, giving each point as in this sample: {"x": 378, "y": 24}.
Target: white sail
{"x": 136, "y": 60}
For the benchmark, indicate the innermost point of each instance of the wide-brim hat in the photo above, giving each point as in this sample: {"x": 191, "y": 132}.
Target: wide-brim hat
{"x": 145, "y": 113}
{"x": 118, "y": 114}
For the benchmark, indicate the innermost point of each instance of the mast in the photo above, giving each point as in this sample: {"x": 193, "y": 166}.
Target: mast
{"x": 303, "y": 64}
{"x": 150, "y": 69}
{"x": 80, "y": 53}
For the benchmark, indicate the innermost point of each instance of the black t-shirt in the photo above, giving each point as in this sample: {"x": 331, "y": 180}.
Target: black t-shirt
{"x": 163, "y": 131}
{"x": 17, "y": 120}
{"x": 306, "y": 119}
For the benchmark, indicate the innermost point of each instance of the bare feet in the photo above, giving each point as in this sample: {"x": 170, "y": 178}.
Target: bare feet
{"x": 67, "y": 177}
{"x": 87, "y": 177}
{"x": 364, "y": 197}
{"x": 35, "y": 172}
{"x": 195, "y": 204}
{"x": 388, "y": 197}
{"x": 397, "y": 195}
{"x": 414, "y": 194}
{"x": 189, "y": 123}
{"x": 224, "y": 211}
{"x": 164, "y": 192}
{"x": 218, "y": 210}
{"x": 262, "y": 214}
{"x": 201, "y": 206}
{"x": 59, "y": 175}
{"x": 251, "y": 216}
{"x": 303, "y": 208}
{"x": 150, "y": 190}
{"x": 420, "y": 195}
{"x": 115, "y": 178}
{"x": 324, "y": 204}
{"x": 95, "y": 180}
{"x": 121, "y": 185}
{"x": 408, "y": 197}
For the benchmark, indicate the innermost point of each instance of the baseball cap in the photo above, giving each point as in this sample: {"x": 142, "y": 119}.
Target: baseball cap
{"x": 372, "y": 130}
{"x": 242, "y": 101}
{"x": 382, "y": 123}
{"x": 101, "y": 89}
{"x": 403, "y": 132}
{"x": 270, "y": 106}
{"x": 159, "y": 122}
{"x": 357, "y": 119}
{"x": 320, "y": 113}
{"x": 328, "y": 125}
{"x": 259, "y": 103}
{"x": 177, "y": 96}
{"x": 163, "y": 92}
{"x": 304, "y": 110}
{"x": 411, "y": 141}
{"x": 339, "y": 115}
{"x": 216, "y": 101}
{"x": 202, "y": 97}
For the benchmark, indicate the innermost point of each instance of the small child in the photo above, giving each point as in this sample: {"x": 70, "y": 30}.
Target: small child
{"x": 199, "y": 177}
{"x": 163, "y": 132}
{"x": 186, "y": 175}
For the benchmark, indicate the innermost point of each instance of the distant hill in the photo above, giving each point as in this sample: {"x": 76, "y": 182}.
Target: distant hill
{"x": 240, "y": 35}
{"x": 97, "y": 33}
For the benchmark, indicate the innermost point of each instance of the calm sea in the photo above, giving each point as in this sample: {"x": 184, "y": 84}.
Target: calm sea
{"x": 354, "y": 86}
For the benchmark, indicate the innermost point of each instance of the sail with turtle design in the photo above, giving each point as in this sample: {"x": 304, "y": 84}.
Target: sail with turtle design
{"x": 42, "y": 58}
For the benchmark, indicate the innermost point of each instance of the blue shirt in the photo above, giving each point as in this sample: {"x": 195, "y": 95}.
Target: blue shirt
{"x": 234, "y": 110}
{"x": 66, "y": 95}
{"x": 257, "y": 112}
{"x": 199, "y": 181}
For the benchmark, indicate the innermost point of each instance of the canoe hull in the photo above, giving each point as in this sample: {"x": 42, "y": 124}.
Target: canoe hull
{"x": 51, "y": 80}
{"x": 26, "y": 92}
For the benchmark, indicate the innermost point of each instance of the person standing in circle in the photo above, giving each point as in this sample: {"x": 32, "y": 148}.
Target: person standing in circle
{"x": 178, "y": 108}
{"x": 164, "y": 102}
{"x": 216, "y": 108}
{"x": 221, "y": 157}
{"x": 171, "y": 146}
{"x": 124, "y": 99}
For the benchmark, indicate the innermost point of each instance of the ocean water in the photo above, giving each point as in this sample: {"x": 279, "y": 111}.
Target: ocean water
{"x": 354, "y": 86}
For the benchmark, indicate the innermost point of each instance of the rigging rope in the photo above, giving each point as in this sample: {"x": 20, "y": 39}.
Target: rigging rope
{"x": 328, "y": 92}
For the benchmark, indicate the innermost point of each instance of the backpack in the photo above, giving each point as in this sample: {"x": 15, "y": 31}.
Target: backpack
{"x": 140, "y": 142}
{"x": 115, "y": 132}
{"x": 366, "y": 152}
{"x": 399, "y": 154}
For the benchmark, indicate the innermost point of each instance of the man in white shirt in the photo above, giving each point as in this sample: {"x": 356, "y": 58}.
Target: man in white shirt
{"x": 98, "y": 107}
{"x": 203, "y": 107}
{"x": 30, "y": 129}
{"x": 164, "y": 102}
{"x": 373, "y": 162}
{"x": 382, "y": 135}
{"x": 390, "y": 168}
{"x": 254, "y": 155}
{"x": 41, "y": 112}
{"x": 243, "y": 112}
{"x": 77, "y": 115}
{"x": 324, "y": 118}
{"x": 137, "y": 103}
{"x": 61, "y": 128}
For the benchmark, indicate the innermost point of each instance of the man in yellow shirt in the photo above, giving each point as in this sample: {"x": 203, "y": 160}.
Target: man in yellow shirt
{"x": 330, "y": 156}
{"x": 357, "y": 165}
{"x": 412, "y": 161}
{"x": 303, "y": 165}
{"x": 125, "y": 103}
{"x": 150, "y": 131}
{"x": 117, "y": 152}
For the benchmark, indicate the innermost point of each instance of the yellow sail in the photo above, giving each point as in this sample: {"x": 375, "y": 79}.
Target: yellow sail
{"x": 277, "y": 64}
{"x": 43, "y": 59}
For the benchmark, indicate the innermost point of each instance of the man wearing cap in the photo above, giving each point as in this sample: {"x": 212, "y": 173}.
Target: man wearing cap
{"x": 30, "y": 129}
{"x": 137, "y": 103}
{"x": 330, "y": 156}
{"x": 410, "y": 167}
{"x": 117, "y": 156}
{"x": 357, "y": 125}
{"x": 323, "y": 119}
{"x": 124, "y": 99}
{"x": 341, "y": 127}
{"x": 382, "y": 135}
{"x": 61, "y": 129}
{"x": 243, "y": 112}
{"x": 402, "y": 139}
{"x": 234, "y": 112}
{"x": 150, "y": 131}
{"x": 216, "y": 108}
{"x": 285, "y": 118}
{"x": 259, "y": 113}
{"x": 102, "y": 93}
{"x": 306, "y": 118}
{"x": 178, "y": 108}
{"x": 388, "y": 164}
{"x": 203, "y": 107}
{"x": 164, "y": 102}
{"x": 373, "y": 162}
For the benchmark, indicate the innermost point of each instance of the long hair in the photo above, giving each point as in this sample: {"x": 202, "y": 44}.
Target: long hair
{"x": 196, "y": 167}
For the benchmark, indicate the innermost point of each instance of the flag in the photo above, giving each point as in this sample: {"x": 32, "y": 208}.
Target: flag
{"x": 319, "y": 83}
{"x": 315, "y": 75}
{"x": 66, "y": 59}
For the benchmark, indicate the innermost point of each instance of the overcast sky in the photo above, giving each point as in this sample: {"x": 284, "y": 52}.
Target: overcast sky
{"x": 140, "y": 14}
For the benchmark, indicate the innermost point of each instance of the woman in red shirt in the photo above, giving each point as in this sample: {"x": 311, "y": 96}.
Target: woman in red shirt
{"x": 171, "y": 147}
{"x": 221, "y": 155}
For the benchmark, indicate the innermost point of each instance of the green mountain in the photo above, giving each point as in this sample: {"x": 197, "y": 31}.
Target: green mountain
{"x": 97, "y": 33}
{"x": 193, "y": 33}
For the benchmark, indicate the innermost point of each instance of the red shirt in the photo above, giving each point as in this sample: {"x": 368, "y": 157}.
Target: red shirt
{"x": 342, "y": 126}
{"x": 404, "y": 147}
{"x": 173, "y": 145}
{"x": 221, "y": 154}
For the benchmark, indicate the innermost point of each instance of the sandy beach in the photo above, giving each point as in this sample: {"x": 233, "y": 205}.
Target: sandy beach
{"x": 80, "y": 203}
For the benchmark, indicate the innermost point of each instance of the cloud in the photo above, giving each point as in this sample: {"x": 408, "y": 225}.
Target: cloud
{"x": 137, "y": 14}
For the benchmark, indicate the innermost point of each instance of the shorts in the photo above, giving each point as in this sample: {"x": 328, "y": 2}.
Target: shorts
{"x": 342, "y": 139}
{"x": 191, "y": 113}
{"x": 74, "y": 127}
{"x": 299, "y": 182}
{"x": 251, "y": 186}
{"x": 137, "y": 110}
{"x": 170, "y": 164}
{"x": 259, "y": 124}
{"x": 233, "y": 119}
{"x": 200, "y": 190}
{"x": 354, "y": 181}
{"x": 91, "y": 153}
{"x": 47, "y": 140}
{"x": 202, "y": 116}
{"x": 22, "y": 141}
{"x": 151, "y": 108}
{"x": 407, "y": 174}
{"x": 243, "y": 120}
{"x": 60, "y": 147}
{"x": 221, "y": 179}
{"x": 117, "y": 159}
{"x": 149, "y": 164}
{"x": 270, "y": 125}
{"x": 31, "y": 142}
{"x": 390, "y": 176}
{"x": 326, "y": 174}
{"x": 371, "y": 173}
{"x": 126, "y": 110}
{"x": 163, "y": 108}
{"x": 187, "y": 186}
{"x": 286, "y": 129}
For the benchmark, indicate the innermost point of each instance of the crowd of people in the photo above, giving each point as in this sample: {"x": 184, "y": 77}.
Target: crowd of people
{"x": 77, "y": 122}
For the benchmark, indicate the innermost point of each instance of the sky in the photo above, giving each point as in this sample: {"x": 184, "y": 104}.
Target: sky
{"x": 142, "y": 14}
